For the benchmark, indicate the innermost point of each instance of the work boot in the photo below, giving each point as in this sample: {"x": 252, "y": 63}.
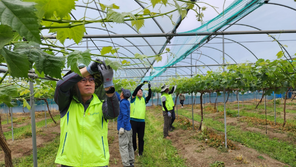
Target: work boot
{"x": 167, "y": 138}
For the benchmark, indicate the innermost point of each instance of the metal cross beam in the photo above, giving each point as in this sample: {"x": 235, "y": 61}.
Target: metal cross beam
{"x": 182, "y": 34}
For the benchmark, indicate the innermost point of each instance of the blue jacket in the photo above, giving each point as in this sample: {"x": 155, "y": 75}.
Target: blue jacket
{"x": 123, "y": 120}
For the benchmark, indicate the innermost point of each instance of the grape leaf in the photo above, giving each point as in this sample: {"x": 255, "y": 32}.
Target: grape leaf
{"x": 115, "y": 16}
{"x": 138, "y": 24}
{"x": 115, "y": 6}
{"x": 78, "y": 57}
{"x": 124, "y": 62}
{"x": 139, "y": 56}
{"x": 6, "y": 93}
{"x": 158, "y": 58}
{"x": 6, "y": 35}
{"x": 76, "y": 33}
{"x": 24, "y": 92}
{"x": 154, "y": 2}
{"x": 114, "y": 50}
{"x": 26, "y": 104}
{"x": 56, "y": 7}
{"x": 183, "y": 13}
{"x": 112, "y": 6}
{"x": 44, "y": 62}
{"x": 146, "y": 11}
{"x": 190, "y": 6}
{"x": 39, "y": 5}
{"x": 115, "y": 65}
{"x": 103, "y": 6}
{"x": 20, "y": 17}
{"x": 106, "y": 49}
{"x": 280, "y": 54}
{"x": 18, "y": 65}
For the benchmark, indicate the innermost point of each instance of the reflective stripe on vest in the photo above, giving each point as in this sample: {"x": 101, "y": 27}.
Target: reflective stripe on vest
{"x": 138, "y": 108}
{"x": 83, "y": 139}
{"x": 169, "y": 103}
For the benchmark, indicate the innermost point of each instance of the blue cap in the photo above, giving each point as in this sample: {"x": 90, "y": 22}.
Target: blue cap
{"x": 126, "y": 93}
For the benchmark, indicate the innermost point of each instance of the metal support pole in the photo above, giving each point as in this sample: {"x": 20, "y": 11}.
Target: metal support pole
{"x": 237, "y": 103}
{"x": 265, "y": 114}
{"x": 152, "y": 99}
{"x": 224, "y": 94}
{"x": 232, "y": 96}
{"x": 242, "y": 99}
{"x": 7, "y": 113}
{"x": 274, "y": 99}
{"x": 177, "y": 96}
{"x": 32, "y": 112}
{"x": 192, "y": 112}
{"x": 217, "y": 102}
{"x": 157, "y": 99}
{"x": 177, "y": 106}
{"x": 45, "y": 113}
{"x": 10, "y": 110}
{"x": 264, "y": 102}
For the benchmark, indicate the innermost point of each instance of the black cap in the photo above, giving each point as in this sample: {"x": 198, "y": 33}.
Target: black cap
{"x": 126, "y": 93}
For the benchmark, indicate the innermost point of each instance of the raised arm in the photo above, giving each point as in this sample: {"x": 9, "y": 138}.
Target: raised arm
{"x": 63, "y": 94}
{"x": 149, "y": 94}
{"x": 111, "y": 109}
{"x": 136, "y": 90}
{"x": 173, "y": 89}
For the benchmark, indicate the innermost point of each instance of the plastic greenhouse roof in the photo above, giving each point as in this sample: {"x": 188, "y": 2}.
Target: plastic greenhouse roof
{"x": 192, "y": 54}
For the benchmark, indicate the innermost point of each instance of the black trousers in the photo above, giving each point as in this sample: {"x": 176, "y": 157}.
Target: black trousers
{"x": 173, "y": 117}
{"x": 138, "y": 127}
{"x": 182, "y": 102}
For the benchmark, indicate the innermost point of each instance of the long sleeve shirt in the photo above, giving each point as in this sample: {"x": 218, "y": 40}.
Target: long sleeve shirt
{"x": 123, "y": 120}
{"x": 67, "y": 89}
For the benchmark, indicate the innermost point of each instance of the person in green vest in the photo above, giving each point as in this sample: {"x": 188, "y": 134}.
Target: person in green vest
{"x": 167, "y": 108}
{"x": 85, "y": 114}
{"x": 137, "y": 115}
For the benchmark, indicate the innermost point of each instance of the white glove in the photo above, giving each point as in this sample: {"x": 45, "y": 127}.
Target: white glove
{"x": 169, "y": 114}
{"x": 121, "y": 131}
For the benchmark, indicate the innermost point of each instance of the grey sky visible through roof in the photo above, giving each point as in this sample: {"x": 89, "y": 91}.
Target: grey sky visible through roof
{"x": 244, "y": 48}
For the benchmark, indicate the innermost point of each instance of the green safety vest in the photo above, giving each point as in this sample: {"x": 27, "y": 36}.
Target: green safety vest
{"x": 169, "y": 103}
{"x": 138, "y": 108}
{"x": 83, "y": 139}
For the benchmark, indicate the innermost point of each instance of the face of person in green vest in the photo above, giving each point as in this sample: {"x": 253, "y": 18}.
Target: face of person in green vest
{"x": 140, "y": 93}
{"x": 86, "y": 86}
